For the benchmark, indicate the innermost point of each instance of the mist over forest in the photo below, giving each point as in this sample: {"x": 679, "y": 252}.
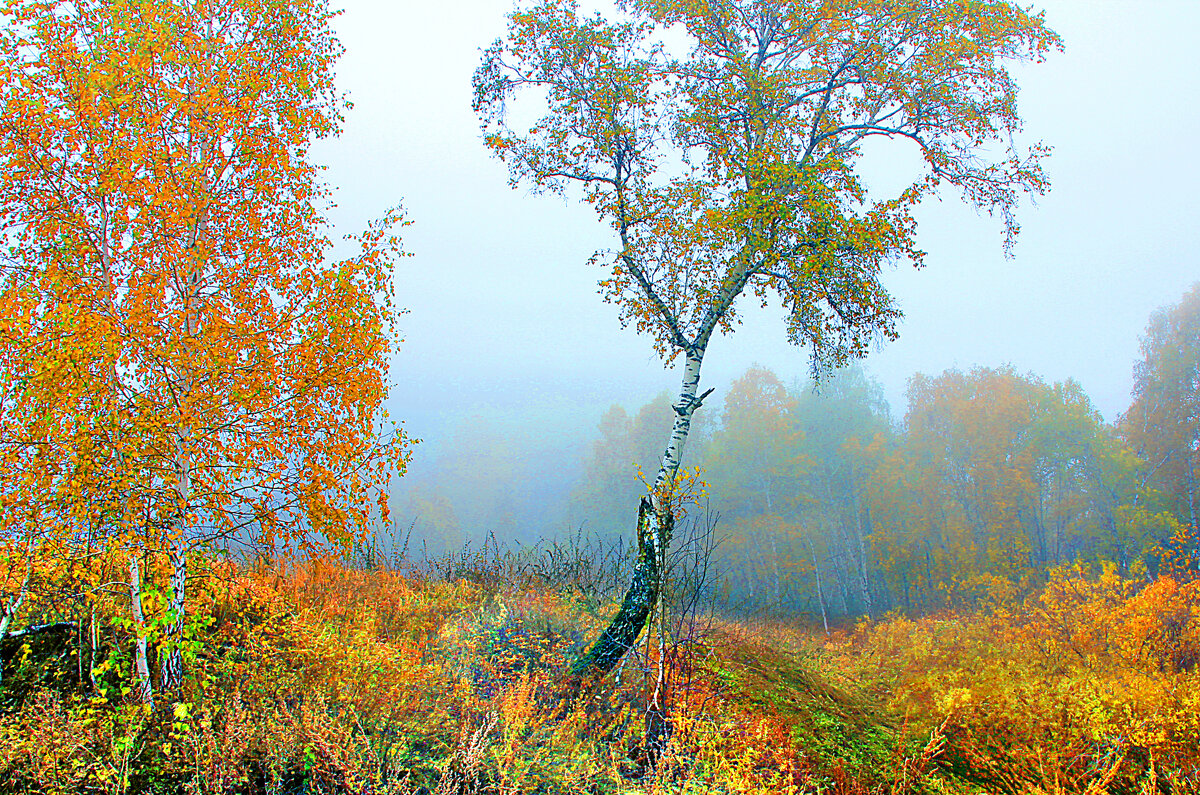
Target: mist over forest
{"x": 826, "y": 501}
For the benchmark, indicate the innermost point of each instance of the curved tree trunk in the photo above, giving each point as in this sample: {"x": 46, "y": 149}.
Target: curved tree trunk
{"x": 623, "y": 631}
{"x": 655, "y": 524}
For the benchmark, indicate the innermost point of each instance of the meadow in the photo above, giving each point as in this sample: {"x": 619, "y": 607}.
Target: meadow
{"x": 369, "y": 676}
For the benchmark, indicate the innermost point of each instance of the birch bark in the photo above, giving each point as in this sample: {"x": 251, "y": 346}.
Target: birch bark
{"x": 141, "y": 660}
{"x": 172, "y": 655}
{"x": 820, "y": 591}
{"x": 655, "y": 524}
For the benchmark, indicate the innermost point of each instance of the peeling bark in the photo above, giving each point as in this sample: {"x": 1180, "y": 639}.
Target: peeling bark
{"x": 172, "y": 655}
{"x": 171, "y": 661}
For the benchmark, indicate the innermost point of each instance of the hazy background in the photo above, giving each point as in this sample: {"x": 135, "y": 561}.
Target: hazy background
{"x": 510, "y": 354}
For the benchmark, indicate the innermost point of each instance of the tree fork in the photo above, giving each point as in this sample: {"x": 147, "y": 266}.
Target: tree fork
{"x": 804, "y": 235}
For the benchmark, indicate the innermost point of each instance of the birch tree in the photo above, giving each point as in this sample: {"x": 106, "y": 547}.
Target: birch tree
{"x": 181, "y": 359}
{"x": 728, "y": 170}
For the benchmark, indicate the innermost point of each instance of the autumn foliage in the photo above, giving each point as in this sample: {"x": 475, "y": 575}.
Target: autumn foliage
{"x": 336, "y": 679}
{"x": 194, "y": 459}
{"x": 180, "y": 359}
{"x": 1090, "y": 684}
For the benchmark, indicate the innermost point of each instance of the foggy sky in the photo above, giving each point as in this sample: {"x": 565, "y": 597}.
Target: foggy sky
{"x": 503, "y": 311}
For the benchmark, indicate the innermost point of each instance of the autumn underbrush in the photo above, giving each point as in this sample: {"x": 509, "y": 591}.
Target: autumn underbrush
{"x": 318, "y": 677}
{"x": 1089, "y": 685}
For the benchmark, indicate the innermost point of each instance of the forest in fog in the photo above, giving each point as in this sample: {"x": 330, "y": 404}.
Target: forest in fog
{"x": 828, "y": 502}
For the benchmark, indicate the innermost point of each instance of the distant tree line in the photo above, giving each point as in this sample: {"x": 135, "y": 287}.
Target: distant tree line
{"x": 993, "y": 477}
{"x": 830, "y": 506}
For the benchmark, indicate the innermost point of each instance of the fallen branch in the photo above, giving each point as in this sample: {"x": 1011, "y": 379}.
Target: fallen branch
{"x": 37, "y": 629}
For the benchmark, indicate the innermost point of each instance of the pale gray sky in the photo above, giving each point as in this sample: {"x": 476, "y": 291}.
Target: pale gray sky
{"x": 504, "y": 310}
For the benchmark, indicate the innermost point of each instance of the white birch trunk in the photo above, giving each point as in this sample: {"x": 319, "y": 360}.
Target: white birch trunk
{"x": 864, "y": 580}
{"x": 172, "y": 654}
{"x": 655, "y": 523}
{"x": 820, "y": 591}
{"x": 685, "y": 405}
{"x": 139, "y": 627}
{"x": 93, "y": 649}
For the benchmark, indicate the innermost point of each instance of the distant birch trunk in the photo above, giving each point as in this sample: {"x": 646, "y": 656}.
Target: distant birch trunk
{"x": 864, "y": 579}
{"x": 820, "y": 591}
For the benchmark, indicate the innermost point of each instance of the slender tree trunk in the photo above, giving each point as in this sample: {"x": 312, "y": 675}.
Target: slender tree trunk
{"x": 658, "y": 728}
{"x": 864, "y": 580}
{"x": 172, "y": 654}
{"x": 655, "y": 524}
{"x": 93, "y": 649}
{"x": 171, "y": 660}
{"x": 820, "y": 591}
{"x": 139, "y": 627}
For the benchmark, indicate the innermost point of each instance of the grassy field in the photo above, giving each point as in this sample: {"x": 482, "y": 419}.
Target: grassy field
{"x": 322, "y": 678}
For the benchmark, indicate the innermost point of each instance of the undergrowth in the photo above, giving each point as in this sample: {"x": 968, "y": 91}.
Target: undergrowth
{"x": 326, "y": 678}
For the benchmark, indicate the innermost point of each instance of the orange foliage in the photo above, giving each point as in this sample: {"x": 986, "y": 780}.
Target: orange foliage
{"x": 179, "y": 359}
{"x": 1091, "y": 684}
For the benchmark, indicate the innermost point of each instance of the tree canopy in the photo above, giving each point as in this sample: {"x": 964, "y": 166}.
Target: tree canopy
{"x": 731, "y": 167}
{"x": 1163, "y": 420}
